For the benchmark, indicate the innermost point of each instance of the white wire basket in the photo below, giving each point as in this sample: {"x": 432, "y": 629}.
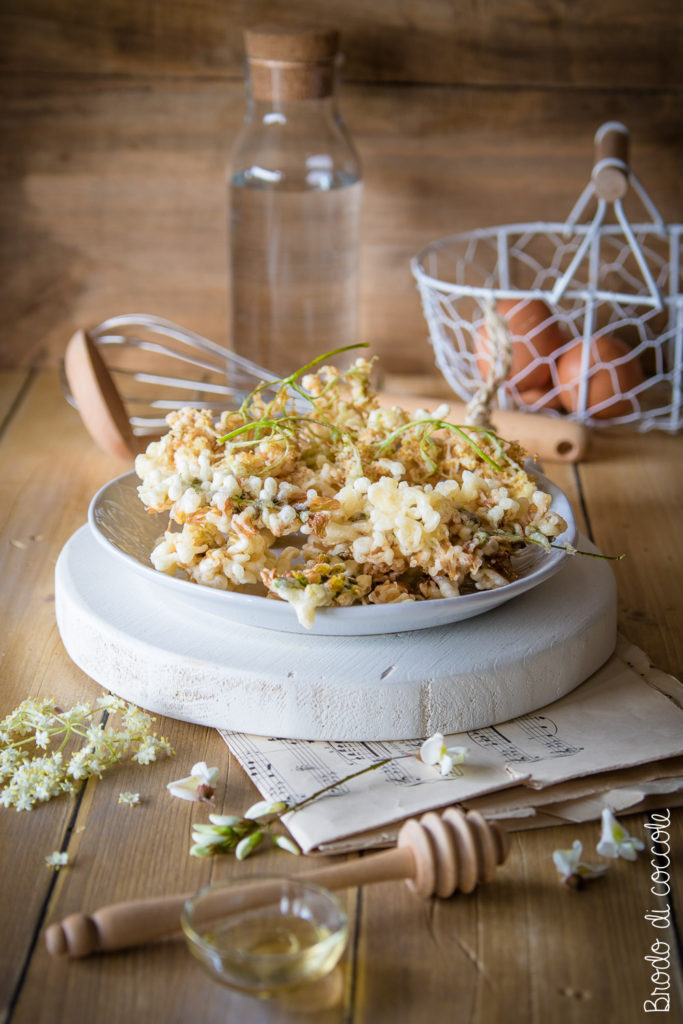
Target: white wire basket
{"x": 606, "y": 291}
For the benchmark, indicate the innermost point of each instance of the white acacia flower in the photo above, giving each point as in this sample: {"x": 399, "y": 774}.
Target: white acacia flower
{"x": 266, "y": 810}
{"x": 196, "y": 785}
{"x": 199, "y": 850}
{"x": 225, "y": 820}
{"x": 57, "y": 860}
{"x": 248, "y": 845}
{"x": 285, "y": 843}
{"x": 615, "y": 841}
{"x": 571, "y": 868}
{"x": 205, "y": 842}
{"x": 435, "y": 751}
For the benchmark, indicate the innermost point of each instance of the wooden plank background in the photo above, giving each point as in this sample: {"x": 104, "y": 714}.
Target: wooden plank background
{"x": 118, "y": 119}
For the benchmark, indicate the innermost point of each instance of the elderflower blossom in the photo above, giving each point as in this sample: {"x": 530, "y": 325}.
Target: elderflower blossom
{"x": 42, "y": 738}
{"x": 435, "y": 751}
{"x": 133, "y": 799}
{"x": 571, "y": 869}
{"x": 111, "y": 703}
{"x": 147, "y": 751}
{"x": 57, "y": 860}
{"x": 32, "y": 774}
{"x": 615, "y": 840}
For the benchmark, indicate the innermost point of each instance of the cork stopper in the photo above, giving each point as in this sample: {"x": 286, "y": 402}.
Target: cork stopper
{"x": 288, "y": 63}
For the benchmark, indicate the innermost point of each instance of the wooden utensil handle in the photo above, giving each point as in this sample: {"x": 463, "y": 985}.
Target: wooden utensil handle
{"x": 551, "y": 438}
{"x": 610, "y": 170}
{"x": 124, "y": 925}
{"x": 97, "y": 398}
{"x": 115, "y": 927}
{"x": 437, "y": 854}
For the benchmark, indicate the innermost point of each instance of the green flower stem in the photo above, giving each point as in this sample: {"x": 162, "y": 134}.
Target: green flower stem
{"x": 518, "y": 539}
{"x": 290, "y": 382}
{"x": 328, "y": 355}
{"x": 443, "y": 425}
{"x": 340, "y": 782}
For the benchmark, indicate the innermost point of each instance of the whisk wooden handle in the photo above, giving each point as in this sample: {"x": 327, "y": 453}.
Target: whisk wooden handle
{"x": 438, "y": 854}
{"x": 97, "y": 398}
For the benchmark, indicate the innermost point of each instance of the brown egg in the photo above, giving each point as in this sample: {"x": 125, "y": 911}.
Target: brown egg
{"x": 608, "y": 379}
{"x": 532, "y": 336}
{"x": 539, "y": 398}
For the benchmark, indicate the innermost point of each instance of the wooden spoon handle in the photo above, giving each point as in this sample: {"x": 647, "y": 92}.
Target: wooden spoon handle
{"x": 133, "y": 923}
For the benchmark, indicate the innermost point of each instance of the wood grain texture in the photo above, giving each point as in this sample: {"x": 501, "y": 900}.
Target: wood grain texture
{"x": 636, "y": 479}
{"x": 115, "y": 850}
{"x": 34, "y": 663}
{"x": 483, "y": 953}
{"x": 113, "y": 197}
{"x": 11, "y": 387}
{"x": 522, "y": 941}
{"x": 496, "y": 42}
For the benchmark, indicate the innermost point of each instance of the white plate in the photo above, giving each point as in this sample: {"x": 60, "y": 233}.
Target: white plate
{"x": 120, "y": 522}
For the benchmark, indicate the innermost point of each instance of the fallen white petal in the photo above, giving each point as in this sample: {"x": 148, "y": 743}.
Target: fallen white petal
{"x": 432, "y": 749}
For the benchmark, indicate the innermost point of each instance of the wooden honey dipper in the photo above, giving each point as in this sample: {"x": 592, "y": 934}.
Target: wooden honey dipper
{"x": 436, "y": 855}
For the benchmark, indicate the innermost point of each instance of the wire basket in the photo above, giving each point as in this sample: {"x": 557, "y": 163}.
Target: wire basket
{"x": 593, "y": 308}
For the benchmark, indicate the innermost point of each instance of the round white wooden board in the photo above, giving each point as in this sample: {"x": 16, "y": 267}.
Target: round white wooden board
{"x": 521, "y": 656}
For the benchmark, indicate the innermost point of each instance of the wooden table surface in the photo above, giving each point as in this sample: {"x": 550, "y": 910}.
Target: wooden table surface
{"x": 522, "y": 948}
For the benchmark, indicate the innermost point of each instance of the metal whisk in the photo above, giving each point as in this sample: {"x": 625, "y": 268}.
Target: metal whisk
{"x": 126, "y": 374}
{"x": 158, "y": 366}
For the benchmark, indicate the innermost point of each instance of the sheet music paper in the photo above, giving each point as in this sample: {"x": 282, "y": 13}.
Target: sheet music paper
{"x": 625, "y": 715}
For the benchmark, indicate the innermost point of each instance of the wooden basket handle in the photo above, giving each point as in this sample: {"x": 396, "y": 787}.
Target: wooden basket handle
{"x": 610, "y": 170}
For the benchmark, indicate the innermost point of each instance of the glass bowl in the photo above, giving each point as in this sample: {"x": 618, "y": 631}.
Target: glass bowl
{"x": 266, "y": 935}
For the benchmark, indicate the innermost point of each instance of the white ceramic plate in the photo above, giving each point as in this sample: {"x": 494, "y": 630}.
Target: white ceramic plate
{"x": 120, "y": 522}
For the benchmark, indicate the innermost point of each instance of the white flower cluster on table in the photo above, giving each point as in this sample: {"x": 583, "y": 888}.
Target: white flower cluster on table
{"x": 31, "y": 773}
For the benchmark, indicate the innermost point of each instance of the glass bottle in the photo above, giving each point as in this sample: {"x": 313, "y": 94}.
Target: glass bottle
{"x": 294, "y": 200}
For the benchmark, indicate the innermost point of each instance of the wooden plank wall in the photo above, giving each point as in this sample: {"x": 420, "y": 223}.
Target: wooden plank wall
{"x": 118, "y": 116}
